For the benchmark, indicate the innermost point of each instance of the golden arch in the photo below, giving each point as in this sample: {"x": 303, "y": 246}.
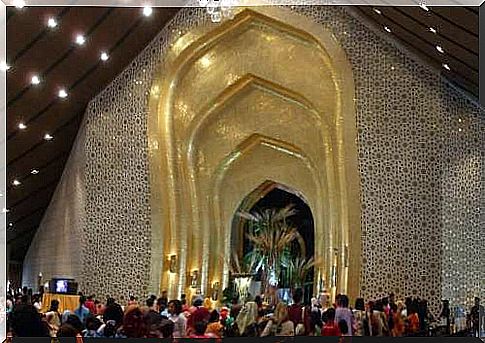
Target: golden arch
{"x": 265, "y": 96}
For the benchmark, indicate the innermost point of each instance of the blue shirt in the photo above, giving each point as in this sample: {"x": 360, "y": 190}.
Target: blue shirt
{"x": 82, "y": 313}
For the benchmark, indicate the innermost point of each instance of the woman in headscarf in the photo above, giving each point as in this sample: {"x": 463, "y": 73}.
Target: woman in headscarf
{"x": 279, "y": 324}
{"x": 247, "y": 320}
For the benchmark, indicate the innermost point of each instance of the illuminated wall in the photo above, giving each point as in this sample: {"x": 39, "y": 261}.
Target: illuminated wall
{"x": 421, "y": 171}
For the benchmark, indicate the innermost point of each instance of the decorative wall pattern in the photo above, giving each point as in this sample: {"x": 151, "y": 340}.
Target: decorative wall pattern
{"x": 422, "y": 179}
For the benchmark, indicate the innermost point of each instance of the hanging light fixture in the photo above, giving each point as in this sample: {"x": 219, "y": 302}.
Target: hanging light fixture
{"x": 218, "y": 9}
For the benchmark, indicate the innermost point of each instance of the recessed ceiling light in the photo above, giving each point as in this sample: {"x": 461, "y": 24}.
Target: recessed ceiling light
{"x": 432, "y": 29}
{"x": 4, "y": 66}
{"x": 19, "y": 3}
{"x": 48, "y": 137}
{"x": 22, "y": 126}
{"x": 446, "y": 66}
{"x": 387, "y": 29}
{"x": 104, "y": 56}
{"x": 10, "y": 224}
{"x": 52, "y": 23}
{"x": 16, "y": 182}
{"x": 440, "y": 49}
{"x": 35, "y": 80}
{"x": 377, "y": 11}
{"x": 80, "y": 40}
{"x": 62, "y": 94}
{"x": 34, "y": 172}
{"x": 147, "y": 11}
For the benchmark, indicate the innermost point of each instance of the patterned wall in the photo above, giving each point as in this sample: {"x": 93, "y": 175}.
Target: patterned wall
{"x": 422, "y": 178}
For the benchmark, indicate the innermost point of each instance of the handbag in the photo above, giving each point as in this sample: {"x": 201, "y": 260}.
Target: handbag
{"x": 300, "y": 327}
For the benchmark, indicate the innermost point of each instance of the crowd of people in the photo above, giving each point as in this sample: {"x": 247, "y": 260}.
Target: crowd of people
{"x": 164, "y": 318}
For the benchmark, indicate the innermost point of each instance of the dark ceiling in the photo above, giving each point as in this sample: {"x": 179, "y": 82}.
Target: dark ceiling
{"x": 33, "y": 47}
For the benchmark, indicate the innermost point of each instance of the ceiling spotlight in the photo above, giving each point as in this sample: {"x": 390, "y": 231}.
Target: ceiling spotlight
{"x": 22, "y": 126}
{"x": 387, "y": 29}
{"x": 19, "y": 3}
{"x": 35, "y": 80}
{"x": 62, "y": 94}
{"x": 432, "y": 29}
{"x": 10, "y": 224}
{"x": 147, "y": 11}
{"x": 440, "y": 49}
{"x": 51, "y": 23}
{"x": 80, "y": 40}
{"x": 104, "y": 56}
{"x": 4, "y": 66}
{"x": 446, "y": 66}
{"x": 34, "y": 172}
{"x": 48, "y": 137}
{"x": 424, "y": 7}
{"x": 377, "y": 11}
{"x": 16, "y": 182}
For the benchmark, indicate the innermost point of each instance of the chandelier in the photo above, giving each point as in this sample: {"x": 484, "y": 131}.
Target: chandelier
{"x": 219, "y": 9}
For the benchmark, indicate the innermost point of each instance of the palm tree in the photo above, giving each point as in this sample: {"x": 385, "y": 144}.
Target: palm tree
{"x": 271, "y": 237}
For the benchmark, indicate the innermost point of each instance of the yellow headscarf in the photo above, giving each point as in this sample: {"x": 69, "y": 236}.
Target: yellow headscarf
{"x": 208, "y": 304}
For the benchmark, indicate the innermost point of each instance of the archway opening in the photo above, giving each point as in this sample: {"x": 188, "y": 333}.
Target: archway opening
{"x": 274, "y": 199}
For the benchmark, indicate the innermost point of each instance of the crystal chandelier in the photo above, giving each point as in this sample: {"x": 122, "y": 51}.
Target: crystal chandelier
{"x": 219, "y": 9}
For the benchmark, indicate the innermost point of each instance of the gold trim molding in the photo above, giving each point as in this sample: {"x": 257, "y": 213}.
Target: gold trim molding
{"x": 265, "y": 97}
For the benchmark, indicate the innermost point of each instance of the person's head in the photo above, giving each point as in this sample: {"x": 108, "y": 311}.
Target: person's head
{"x": 110, "y": 302}
{"x": 343, "y": 301}
{"x": 175, "y": 307}
{"x": 161, "y": 303}
{"x": 258, "y": 300}
{"x": 164, "y": 294}
{"x": 298, "y": 295}
{"x": 28, "y": 322}
{"x": 359, "y": 304}
{"x": 82, "y": 300}
{"x": 166, "y": 328}
{"x": 281, "y": 312}
{"x": 90, "y": 298}
{"x": 54, "y": 305}
{"x": 198, "y": 302}
{"x": 200, "y": 328}
{"x": 183, "y": 296}
{"x": 385, "y": 302}
{"x": 24, "y": 299}
{"x": 150, "y": 303}
{"x": 446, "y": 303}
{"x": 379, "y": 306}
{"x": 392, "y": 298}
{"x": 67, "y": 330}
{"x": 133, "y": 323}
{"x": 75, "y": 322}
{"x": 477, "y": 301}
{"x": 214, "y": 317}
{"x": 343, "y": 327}
{"x": 330, "y": 315}
{"x": 93, "y": 323}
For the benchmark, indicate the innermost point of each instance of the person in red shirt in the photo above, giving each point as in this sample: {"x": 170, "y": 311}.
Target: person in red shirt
{"x": 295, "y": 311}
{"x": 330, "y": 328}
{"x": 90, "y": 304}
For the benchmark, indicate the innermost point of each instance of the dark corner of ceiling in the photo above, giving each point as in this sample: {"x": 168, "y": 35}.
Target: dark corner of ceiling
{"x": 482, "y": 54}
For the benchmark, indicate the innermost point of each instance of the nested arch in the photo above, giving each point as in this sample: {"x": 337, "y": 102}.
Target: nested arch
{"x": 265, "y": 96}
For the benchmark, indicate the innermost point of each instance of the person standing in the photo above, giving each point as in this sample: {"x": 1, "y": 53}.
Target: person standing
{"x": 477, "y": 314}
{"x": 344, "y": 313}
{"x": 82, "y": 312}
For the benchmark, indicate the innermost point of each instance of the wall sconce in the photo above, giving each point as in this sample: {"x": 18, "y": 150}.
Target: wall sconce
{"x": 215, "y": 291}
{"x": 194, "y": 278}
{"x": 173, "y": 264}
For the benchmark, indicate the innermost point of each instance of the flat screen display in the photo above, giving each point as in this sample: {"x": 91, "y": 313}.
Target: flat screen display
{"x": 61, "y": 286}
